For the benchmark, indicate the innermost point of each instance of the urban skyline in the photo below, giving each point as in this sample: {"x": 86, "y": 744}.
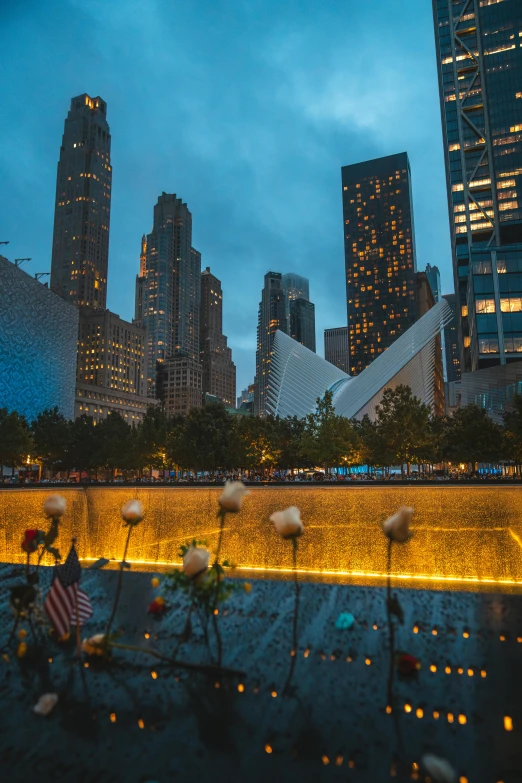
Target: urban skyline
{"x": 250, "y": 235}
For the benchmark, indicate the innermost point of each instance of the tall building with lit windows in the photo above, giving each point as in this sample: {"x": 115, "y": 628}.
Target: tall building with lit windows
{"x": 80, "y": 252}
{"x": 479, "y": 58}
{"x": 111, "y": 361}
{"x": 379, "y": 255}
{"x": 219, "y": 371}
{"x": 271, "y": 317}
{"x": 168, "y": 296}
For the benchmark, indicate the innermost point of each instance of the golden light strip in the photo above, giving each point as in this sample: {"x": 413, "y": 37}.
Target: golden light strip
{"x": 366, "y": 574}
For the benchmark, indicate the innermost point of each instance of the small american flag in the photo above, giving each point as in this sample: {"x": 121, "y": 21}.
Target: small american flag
{"x": 65, "y": 595}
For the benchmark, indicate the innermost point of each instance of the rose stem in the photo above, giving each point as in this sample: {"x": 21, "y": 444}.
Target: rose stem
{"x": 295, "y": 619}
{"x": 118, "y": 586}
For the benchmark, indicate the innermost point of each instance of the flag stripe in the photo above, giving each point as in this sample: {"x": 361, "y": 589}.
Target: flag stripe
{"x": 65, "y": 602}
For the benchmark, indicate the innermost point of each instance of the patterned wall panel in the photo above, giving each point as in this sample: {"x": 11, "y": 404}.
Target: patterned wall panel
{"x": 38, "y": 337}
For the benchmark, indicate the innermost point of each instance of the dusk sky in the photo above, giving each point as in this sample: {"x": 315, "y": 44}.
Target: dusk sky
{"x": 247, "y": 110}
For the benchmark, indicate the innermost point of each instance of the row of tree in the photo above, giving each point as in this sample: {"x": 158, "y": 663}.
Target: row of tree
{"x": 209, "y": 439}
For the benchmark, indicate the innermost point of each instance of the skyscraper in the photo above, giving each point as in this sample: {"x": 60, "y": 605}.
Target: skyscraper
{"x": 479, "y": 60}
{"x": 271, "y": 317}
{"x": 219, "y": 371}
{"x": 80, "y": 251}
{"x": 379, "y": 255}
{"x": 295, "y": 287}
{"x": 433, "y": 275}
{"x": 336, "y": 349}
{"x": 168, "y": 287}
{"x": 302, "y": 322}
{"x": 111, "y": 363}
{"x": 451, "y": 345}
{"x": 111, "y": 353}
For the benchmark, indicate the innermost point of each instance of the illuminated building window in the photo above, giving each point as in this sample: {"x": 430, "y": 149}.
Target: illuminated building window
{"x": 511, "y": 304}
{"x": 484, "y": 306}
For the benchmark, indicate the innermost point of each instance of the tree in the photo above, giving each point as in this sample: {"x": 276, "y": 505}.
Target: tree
{"x": 84, "y": 453}
{"x": 203, "y": 440}
{"x": 328, "y": 439}
{"x": 51, "y": 433}
{"x": 512, "y": 446}
{"x": 472, "y": 437}
{"x": 403, "y": 425}
{"x": 115, "y": 443}
{"x": 151, "y": 440}
{"x": 15, "y": 439}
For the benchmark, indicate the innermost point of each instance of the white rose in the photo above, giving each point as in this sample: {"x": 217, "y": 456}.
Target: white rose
{"x": 397, "y": 527}
{"x": 54, "y": 506}
{"x": 439, "y": 769}
{"x": 45, "y": 703}
{"x": 132, "y": 512}
{"x": 288, "y": 522}
{"x": 94, "y": 644}
{"x": 231, "y": 498}
{"x": 195, "y": 561}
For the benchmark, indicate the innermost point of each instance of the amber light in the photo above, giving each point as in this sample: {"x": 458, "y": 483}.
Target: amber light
{"x": 508, "y": 723}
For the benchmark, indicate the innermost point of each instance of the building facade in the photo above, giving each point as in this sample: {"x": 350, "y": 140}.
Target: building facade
{"x": 379, "y": 255}
{"x": 302, "y": 322}
{"x": 479, "y": 61}
{"x": 271, "y": 317}
{"x": 219, "y": 371}
{"x": 336, "y": 348}
{"x": 298, "y": 376}
{"x": 180, "y": 385}
{"x": 433, "y": 275}
{"x": 111, "y": 363}
{"x": 168, "y": 287}
{"x": 245, "y": 401}
{"x": 451, "y": 354}
{"x": 38, "y": 333}
{"x": 295, "y": 287}
{"x": 425, "y": 301}
{"x": 80, "y": 252}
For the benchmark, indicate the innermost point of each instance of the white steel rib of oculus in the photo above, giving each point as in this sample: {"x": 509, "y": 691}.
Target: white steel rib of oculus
{"x": 298, "y": 376}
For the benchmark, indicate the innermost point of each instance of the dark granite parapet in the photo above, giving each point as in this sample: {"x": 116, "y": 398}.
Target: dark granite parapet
{"x": 169, "y": 725}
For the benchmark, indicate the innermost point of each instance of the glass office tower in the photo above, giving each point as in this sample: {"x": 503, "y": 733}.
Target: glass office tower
{"x": 479, "y": 56}
{"x": 379, "y": 248}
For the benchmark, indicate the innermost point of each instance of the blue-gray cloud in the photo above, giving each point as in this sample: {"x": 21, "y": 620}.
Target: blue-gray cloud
{"x": 246, "y": 110}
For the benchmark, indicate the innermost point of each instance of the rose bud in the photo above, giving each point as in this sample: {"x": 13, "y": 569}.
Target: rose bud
{"x": 407, "y": 664}
{"x": 439, "y": 770}
{"x": 94, "y": 645}
{"x": 132, "y": 512}
{"x": 30, "y": 541}
{"x": 195, "y": 561}
{"x": 54, "y": 506}
{"x": 45, "y": 704}
{"x": 397, "y": 527}
{"x": 157, "y": 606}
{"x": 231, "y": 498}
{"x": 288, "y": 522}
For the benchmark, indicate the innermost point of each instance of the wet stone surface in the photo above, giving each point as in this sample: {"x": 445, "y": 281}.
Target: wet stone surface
{"x": 137, "y": 719}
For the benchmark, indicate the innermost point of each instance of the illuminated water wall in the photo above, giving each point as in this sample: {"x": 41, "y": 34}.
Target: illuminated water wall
{"x": 471, "y": 534}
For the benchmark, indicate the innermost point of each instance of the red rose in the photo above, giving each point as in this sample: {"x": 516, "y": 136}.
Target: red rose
{"x": 407, "y": 664}
{"x": 29, "y": 541}
{"x": 157, "y": 606}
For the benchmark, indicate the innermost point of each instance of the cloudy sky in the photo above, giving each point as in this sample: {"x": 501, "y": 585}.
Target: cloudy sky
{"x": 246, "y": 109}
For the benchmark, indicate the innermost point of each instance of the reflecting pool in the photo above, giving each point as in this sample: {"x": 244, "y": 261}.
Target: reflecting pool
{"x": 470, "y": 536}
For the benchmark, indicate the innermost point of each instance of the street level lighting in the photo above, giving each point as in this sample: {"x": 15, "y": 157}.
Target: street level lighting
{"x": 4, "y": 243}
{"x": 18, "y": 261}
{"x": 38, "y": 275}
